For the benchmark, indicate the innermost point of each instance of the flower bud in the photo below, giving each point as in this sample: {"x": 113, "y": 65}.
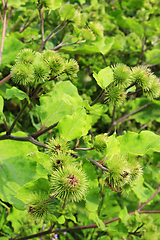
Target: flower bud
{"x": 70, "y": 183}
{"x": 100, "y": 143}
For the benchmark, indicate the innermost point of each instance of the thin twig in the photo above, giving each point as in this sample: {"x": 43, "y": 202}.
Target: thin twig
{"x": 78, "y": 227}
{"x": 40, "y": 132}
{"x": 61, "y": 44}
{"x": 3, "y": 30}
{"x": 17, "y": 117}
{"x": 93, "y": 161}
{"x": 51, "y": 34}
{"x": 104, "y": 59}
{"x": 4, "y": 80}
{"x": 22, "y": 109}
{"x": 10, "y": 14}
{"x": 113, "y": 119}
{"x": 5, "y": 123}
{"x": 3, "y": 3}
{"x": 151, "y": 59}
{"x": 23, "y": 139}
{"x": 98, "y": 98}
{"x": 151, "y": 65}
{"x": 21, "y": 30}
{"x": 145, "y": 125}
{"x": 1, "y": 17}
{"x": 84, "y": 149}
{"x": 122, "y": 119}
{"x": 57, "y": 32}
{"x": 157, "y": 191}
{"x": 42, "y": 23}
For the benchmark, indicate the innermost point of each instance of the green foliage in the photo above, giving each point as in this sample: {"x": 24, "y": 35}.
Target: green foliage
{"x": 79, "y": 119}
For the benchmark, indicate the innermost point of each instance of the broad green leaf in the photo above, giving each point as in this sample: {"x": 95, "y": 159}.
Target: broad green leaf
{"x": 97, "y": 28}
{"x": 112, "y": 146}
{"x": 94, "y": 2}
{"x": 71, "y": 217}
{"x": 117, "y": 45}
{"x": 1, "y": 105}
{"x": 82, "y": 48}
{"x": 55, "y": 4}
{"x": 122, "y": 229}
{"x": 75, "y": 126}
{"x": 140, "y": 143}
{"x": 34, "y": 123}
{"x": 118, "y": 229}
{"x": 87, "y": 34}
{"x": 16, "y": 218}
{"x": 41, "y": 185}
{"x": 110, "y": 202}
{"x": 54, "y": 106}
{"x": 91, "y": 173}
{"x": 67, "y": 12}
{"x": 43, "y": 159}
{"x": 16, "y": 168}
{"x": 94, "y": 216}
{"x": 104, "y": 77}
{"x": 97, "y": 111}
{"x": 14, "y": 45}
{"x": 124, "y": 215}
{"x": 61, "y": 219}
{"x": 142, "y": 193}
{"x": 105, "y": 46}
{"x": 92, "y": 199}
{"x": 17, "y": 93}
{"x": 14, "y": 3}
{"x": 104, "y": 237}
{"x": 135, "y": 26}
{"x": 82, "y": 1}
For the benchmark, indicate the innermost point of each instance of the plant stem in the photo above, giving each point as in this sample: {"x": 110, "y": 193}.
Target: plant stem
{"x": 94, "y": 162}
{"x": 5, "y": 123}
{"x": 83, "y": 149}
{"x": 77, "y": 228}
{"x": 61, "y": 44}
{"x": 98, "y": 98}
{"x": 23, "y": 139}
{"x": 3, "y": 30}
{"x": 52, "y": 34}
{"x": 40, "y": 132}
{"x": 142, "y": 206}
{"x": 113, "y": 119}
{"x": 122, "y": 119}
{"x": 42, "y": 23}
{"x": 5, "y": 79}
{"x": 22, "y": 110}
{"x": 17, "y": 117}
{"x": 104, "y": 59}
{"x": 27, "y": 25}
{"x": 151, "y": 59}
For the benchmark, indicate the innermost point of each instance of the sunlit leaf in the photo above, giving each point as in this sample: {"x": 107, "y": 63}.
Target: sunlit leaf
{"x": 104, "y": 77}
{"x": 60, "y": 102}
{"x": 17, "y": 93}
{"x": 16, "y": 167}
{"x": 1, "y": 105}
{"x": 140, "y": 143}
{"x": 75, "y": 126}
